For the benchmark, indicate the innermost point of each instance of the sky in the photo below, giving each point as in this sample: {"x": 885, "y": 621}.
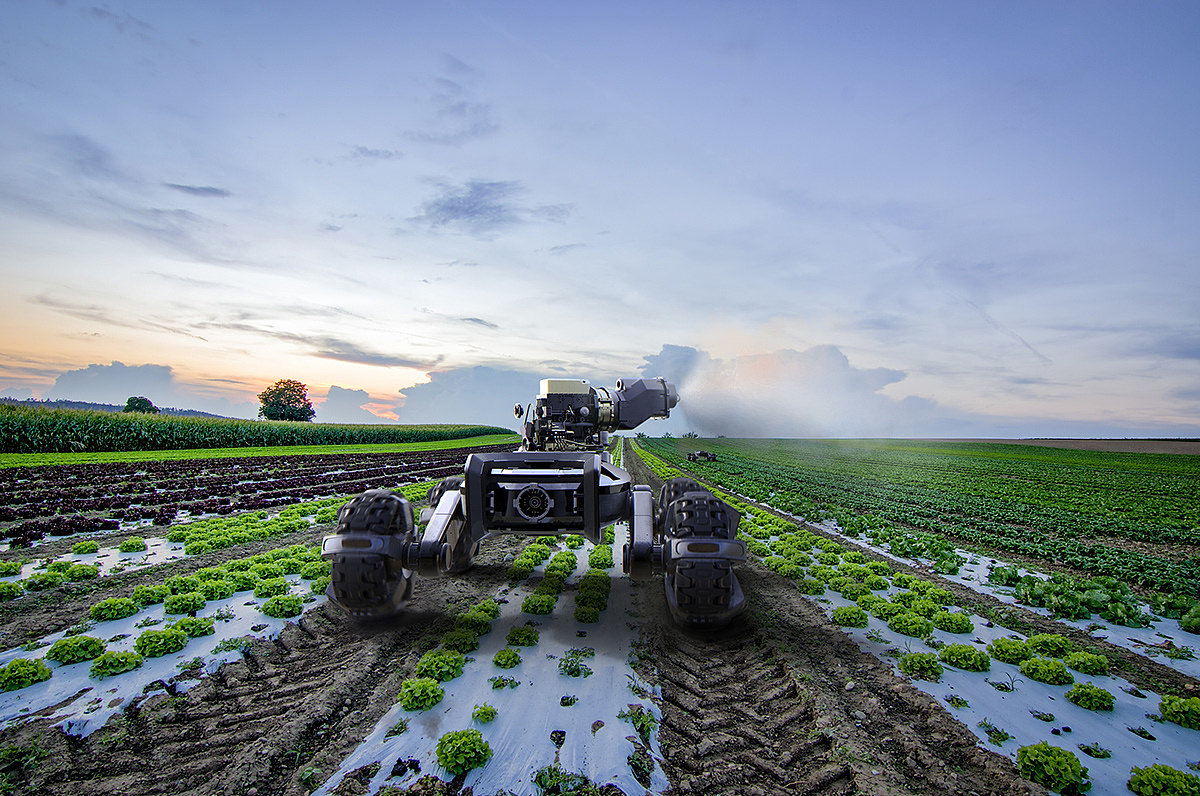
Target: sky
{"x": 819, "y": 219}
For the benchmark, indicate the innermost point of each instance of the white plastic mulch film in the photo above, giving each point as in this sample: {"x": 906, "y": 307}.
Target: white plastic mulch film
{"x": 82, "y": 704}
{"x": 532, "y": 718}
{"x": 1002, "y": 701}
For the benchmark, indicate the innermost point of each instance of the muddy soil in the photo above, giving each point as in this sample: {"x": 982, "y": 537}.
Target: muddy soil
{"x": 784, "y": 702}
{"x": 292, "y": 707}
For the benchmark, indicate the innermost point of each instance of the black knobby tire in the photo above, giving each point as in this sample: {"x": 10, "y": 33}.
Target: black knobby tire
{"x": 372, "y": 585}
{"x": 704, "y": 586}
{"x": 666, "y": 496}
{"x": 697, "y": 514}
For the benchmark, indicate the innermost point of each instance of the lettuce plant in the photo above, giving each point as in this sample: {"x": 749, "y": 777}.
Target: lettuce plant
{"x": 1009, "y": 650}
{"x": 910, "y": 624}
{"x": 462, "y": 750}
{"x": 156, "y": 643}
{"x": 83, "y": 548}
{"x": 420, "y": 693}
{"x": 195, "y": 626}
{"x": 150, "y": 593}
{"x": 849, "y": 616}
{"x": 1051, "y": 645}
{"x": 283, "y": 606}
{"x": 133, "y": 544}
{"x": 921, "y": 666}
{"x": 40, "y": 581}
{"x": 507, "y": 658}
{"x": 22, "y": 673}
{"x": 540, "y": 604}
{"x": 460, "y": 641}
{"x": 271, "y": 587}
{"x": 483, "y": 713}
{"x": 1086, "y": 663}
{"x": 78, "y": 572}
{"x": 113, "y": 608}
{"x": 1184, "y": 712}
{"x": 521, "y": 636}
{"x": 184, "y": 603}
{"x": 181, "y": 584}
{"x": 1047, "y": 670}
{"x": 1057, "y": 769}
{"x": 952, "y": 622}
{"x": 74, "y": 649}
{"x": 1090, "y": 697}
{"x": 475, "y": 621}
{"x": 964, "y": 656}
{"x": 107, "y": 664}
{"x": 440, "y": 665}
{"x": 217, "y": 589}
{"x": 1161, "y": 780}
{"x": 489, "y": 608}
{"x": 10, "y": 590}
{"x": 587, "y": 614}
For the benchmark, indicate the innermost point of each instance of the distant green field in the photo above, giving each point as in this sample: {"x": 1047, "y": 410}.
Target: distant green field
{"x": 38, "y": 459}
{"x": 36, "y": 430}
{"x": 1131, "y": 516}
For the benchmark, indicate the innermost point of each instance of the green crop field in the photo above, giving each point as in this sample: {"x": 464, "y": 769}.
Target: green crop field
{"x": 35, "y": 430}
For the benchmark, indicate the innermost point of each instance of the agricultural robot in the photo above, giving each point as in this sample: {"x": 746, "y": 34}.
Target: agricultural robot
{"x": 561, "y": 480}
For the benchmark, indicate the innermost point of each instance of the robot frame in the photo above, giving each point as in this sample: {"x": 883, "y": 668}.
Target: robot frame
{"x": 561, "y": 480}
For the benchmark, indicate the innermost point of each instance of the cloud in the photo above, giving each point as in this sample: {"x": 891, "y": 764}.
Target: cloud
{"x": 457, "y": 116}
{"x": 19, "y": 393}
{"x": 480, "y": 322}
{"x": 330, "y": 347}
{"x": 95, "y": 313}
{"x": 477, "y": 206}
{"x": 470, "y": 395}
{"x": 366, "y": 153}
{"x": 566, "y": 247}
{"x": 87, "y": 157}
{"x": 787, "y": 393}
{"x": 482, "y": 207}
{"x": 198, "y": 190}
{"x": 344, "y": 405}
{"x": 122, "y": 23}
{"x": 116, "y": 382}
{"x": 346, "y": 351}
{"x": 1181, "y": 345}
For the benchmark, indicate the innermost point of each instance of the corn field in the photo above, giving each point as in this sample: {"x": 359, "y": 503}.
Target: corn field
{"x": 34, "y": 430}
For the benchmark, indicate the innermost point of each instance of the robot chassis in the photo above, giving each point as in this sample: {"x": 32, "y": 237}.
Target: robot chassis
{"x": 561, "y": 480}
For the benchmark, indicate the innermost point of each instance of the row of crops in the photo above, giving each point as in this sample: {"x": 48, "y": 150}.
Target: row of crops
{"x": 62, "y": 500}
{"x": 1132, "y": 518}
{"x": 1022, "y": 695}
{"x": 26, "y": 429}
{"x": 516, "y": 675}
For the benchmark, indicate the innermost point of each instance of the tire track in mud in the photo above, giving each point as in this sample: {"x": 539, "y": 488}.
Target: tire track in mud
{"x": 301, "y": 701}
{"x": 784, "y": 702}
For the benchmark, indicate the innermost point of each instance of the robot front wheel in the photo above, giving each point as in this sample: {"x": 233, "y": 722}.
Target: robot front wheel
{"x": 370, "y": 585}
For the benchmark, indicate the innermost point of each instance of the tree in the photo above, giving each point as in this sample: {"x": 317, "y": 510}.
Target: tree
{"x": 286, "y": 399}
{"x": 138, "y": 403}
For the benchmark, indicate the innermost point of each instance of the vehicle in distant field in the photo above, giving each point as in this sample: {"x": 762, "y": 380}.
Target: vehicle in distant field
{"x": 561, "y": 480}
{"x": 701, "y": 456}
